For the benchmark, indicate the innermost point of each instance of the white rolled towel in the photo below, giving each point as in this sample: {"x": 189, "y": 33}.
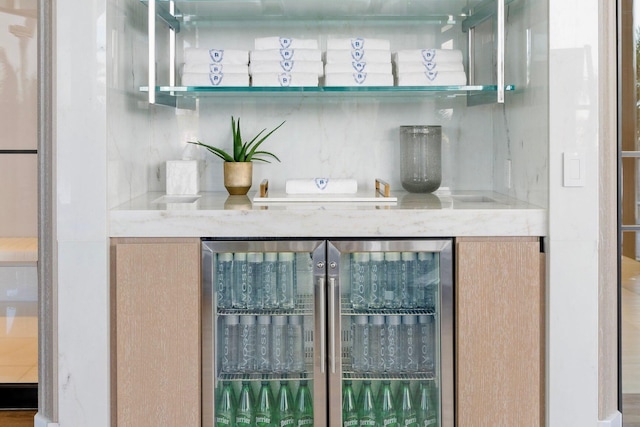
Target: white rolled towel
{"x": 207, "y": 67}
{"x": 284, "y": 79}
{"x": 421, "y": 67}
{"x": 321, "y": 186}
{"x": 286, "y": 55}
{"x": 263, "y": 43}
{"x": 358, "y": 67}
{"x": 288, "y": 66}
{"x": 216, "y": 56}
{"x": 210, "y": 79}
{"x": 433, "y": 78}
{"x": 358, "y": 43}
{"x": 428, "y": 55}
{"x": 358, "y": 55}
{"x": 358, "y": 79}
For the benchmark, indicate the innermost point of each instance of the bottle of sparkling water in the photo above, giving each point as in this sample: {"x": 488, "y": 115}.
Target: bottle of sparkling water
{"x": 224, "y": 279}
{"x": 270, "y": 281}
{"x": 265, "y": 416}
{"x": 393, "y": 291}
{"x": 226, "y": 409}
{"x": 407, "y": 415}
{"x": 245, "y": 415}
{"x": 408, "y": 289}
{"x": 366, "y": 406}
{"x": 387, "y": 416}
{"x": 304, "y": 405}
{"x": 349, "y": 409}
{"x": 286, "y": 414}
{"x": 378, "y": 278}
{"x": 360, "y": 281}
{"x": 425, "y": 407}
{"x": 239, "y": 290}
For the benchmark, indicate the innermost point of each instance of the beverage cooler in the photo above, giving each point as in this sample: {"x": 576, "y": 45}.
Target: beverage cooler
{"x": 327, "y": 333}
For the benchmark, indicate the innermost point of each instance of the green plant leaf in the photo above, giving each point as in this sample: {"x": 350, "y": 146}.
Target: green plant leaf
{"x": 255, "y": 144}
{"x": 217, "y": 151}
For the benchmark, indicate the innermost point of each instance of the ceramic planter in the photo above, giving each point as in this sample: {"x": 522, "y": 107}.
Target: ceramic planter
{"x": 238, "y": 177}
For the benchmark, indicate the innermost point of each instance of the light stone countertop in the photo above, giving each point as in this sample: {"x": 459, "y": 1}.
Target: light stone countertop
{"x": 217, "y": 214}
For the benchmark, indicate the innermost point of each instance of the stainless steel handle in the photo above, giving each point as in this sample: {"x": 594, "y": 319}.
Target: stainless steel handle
{"x": 320, "y": 319}
{"x": 500, "y": 46}
{"x": 332, "y": 319}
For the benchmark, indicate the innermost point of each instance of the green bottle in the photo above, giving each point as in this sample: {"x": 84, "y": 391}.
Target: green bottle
{"x": 286, "y": 416}
{"x": 226, "y": 409}
{"x": 304, "y": 405}
{"x": 426, "y": 409}
{"x": 245, "y": 415}
{"x": 387, "y": 416}
{"x": 366, "y": 406}
{"x": 407, "y": 416}
{"x": 349, "y": 411}
{"x": 264, "y": 414}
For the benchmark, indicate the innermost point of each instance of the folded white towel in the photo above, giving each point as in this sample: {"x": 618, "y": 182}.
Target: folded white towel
{"x": 428, "y": 55}
{"x": 321, "y": 186}
{"x": 358, "y": 67}
{"x": 433, "y": 78}
{"x": 358, "y": 79}
{"x": 204, "y": 67}
{"x": 284, "y": 79}
{"x": 210, "y": 79}
{"x": 420, "y": 67}
{"x": 358, "y": 55}
{"x": 216, "y": 56}
{"x": 286, "y": 54}
{"x": 262, "y": 43}
{"x": 286, "y": 66}
{"x": 358, "y": 43}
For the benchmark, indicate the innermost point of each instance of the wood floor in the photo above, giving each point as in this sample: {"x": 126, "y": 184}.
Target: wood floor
{"x": 17, "y": 418}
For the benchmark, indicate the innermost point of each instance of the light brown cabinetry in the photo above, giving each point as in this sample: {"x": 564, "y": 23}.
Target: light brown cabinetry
{"x": 499, "y": 332}
{"x": 155, "y": 297}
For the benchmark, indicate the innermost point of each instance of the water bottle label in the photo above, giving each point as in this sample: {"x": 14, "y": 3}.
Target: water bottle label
{"x": 411, "y": 422}
{"x": 368, "y": 422}
{"x": 389, "y": 421}
{"x": 224, "y": 420}
{"x": 243, "y": 421}
{"x": 430, "y": 422}
{"x": 350, "y": 422}
{"x": 289, "y": 421}
{"x": 263, "y": 420}
{"x": 305, "y": 422}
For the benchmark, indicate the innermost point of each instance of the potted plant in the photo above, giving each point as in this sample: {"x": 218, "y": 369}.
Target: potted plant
{"x": 238, "y": 167}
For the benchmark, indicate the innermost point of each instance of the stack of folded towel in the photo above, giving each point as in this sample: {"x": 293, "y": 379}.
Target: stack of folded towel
{"x": 215, "y": 67}
{"x": 283, "y": 61}
{"x": 358, "y": 62}
{"x": 429, "y": 67}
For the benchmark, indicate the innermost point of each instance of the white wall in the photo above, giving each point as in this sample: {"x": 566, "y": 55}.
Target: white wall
{"x": 18, "y": 115}
{"x": 572, "y": 323}
{"x": 82, "y": 281}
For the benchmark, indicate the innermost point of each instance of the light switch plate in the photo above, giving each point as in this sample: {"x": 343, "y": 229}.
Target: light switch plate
{"x": 573, "y": 168}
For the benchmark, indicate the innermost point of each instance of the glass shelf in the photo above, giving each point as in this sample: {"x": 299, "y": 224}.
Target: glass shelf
{"x": 446, "y": 91}
{"x": 387, "y": 376}
{"x": 437, "y": 11}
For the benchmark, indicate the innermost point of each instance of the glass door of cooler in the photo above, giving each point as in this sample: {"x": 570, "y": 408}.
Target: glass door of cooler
{"x": 263, "y": 328}
{"x": 390, "y": 333}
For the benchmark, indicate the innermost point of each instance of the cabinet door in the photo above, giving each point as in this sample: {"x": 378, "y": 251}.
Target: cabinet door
{"x": 499, "y": 332}
{"x": 156, "y": 332}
